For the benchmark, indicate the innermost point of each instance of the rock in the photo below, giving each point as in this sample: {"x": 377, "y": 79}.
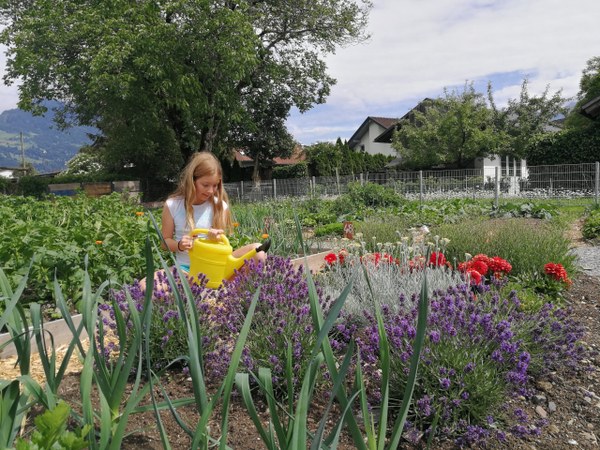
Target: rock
{"x": 551, "y": 407}
{"x": 587, "y": 400}
{"x": 572, "y": 442}
{"x": 541, "y": 412}
{"x": 545, "y": 386}
{"x": 589, "y": 437}
{"x": 553, "y": 429}
{"x": 539, "y": 399}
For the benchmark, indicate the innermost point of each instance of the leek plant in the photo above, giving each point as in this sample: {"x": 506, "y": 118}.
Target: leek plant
{"x": 14, "y": 403}
{"x": 292, "y": 432}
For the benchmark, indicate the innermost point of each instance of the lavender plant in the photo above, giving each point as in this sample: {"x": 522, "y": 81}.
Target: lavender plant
{"x": 281, "y": 321}
{"x": 479, "y": 349}
{"x": 168, "y": 338}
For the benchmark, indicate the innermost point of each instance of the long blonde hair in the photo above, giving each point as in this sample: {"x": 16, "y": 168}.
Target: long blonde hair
{"x": 203, "y": 164}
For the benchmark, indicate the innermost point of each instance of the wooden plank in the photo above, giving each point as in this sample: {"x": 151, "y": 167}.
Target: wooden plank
{"x": 60, "y": 332}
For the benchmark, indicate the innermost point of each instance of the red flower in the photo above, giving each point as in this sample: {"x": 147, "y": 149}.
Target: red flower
{"x": 481, "y": 257}
{"x": 437, "y": 259}
{"x": 474, "y": 276}
{"x": 330, "y": 258}
{"x": 480, "y": 267}
{"x": 557, "y": 272}
{"x": 499, "y": 266}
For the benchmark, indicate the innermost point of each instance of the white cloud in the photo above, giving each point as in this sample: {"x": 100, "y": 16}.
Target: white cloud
{"x": 8, "y": 94}
{"x": 419, "y": 47}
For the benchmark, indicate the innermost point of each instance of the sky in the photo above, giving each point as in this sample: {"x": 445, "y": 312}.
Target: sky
{"x": 419, "y": 47}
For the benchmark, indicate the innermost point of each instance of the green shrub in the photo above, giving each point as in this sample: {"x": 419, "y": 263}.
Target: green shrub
{"x": 329, "y": 229}
{"x": 591, "y": 225}
{"x": 31, "y": 186}
{"x": 299, "y": 170}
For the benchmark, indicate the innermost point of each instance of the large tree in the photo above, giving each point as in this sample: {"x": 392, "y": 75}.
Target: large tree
{"x": 162, "y": 78}
{"x": 589, "y": 89}
{"x": 448, "y": 131}
{"x": 525, "y": 120}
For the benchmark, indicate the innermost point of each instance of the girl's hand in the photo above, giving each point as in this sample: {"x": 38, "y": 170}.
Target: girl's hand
{"x": 185, "y": 243}
{"x": 215, "y": 234}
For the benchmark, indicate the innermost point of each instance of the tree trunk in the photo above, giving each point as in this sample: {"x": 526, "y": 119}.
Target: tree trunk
{"x": 256, "y": 171}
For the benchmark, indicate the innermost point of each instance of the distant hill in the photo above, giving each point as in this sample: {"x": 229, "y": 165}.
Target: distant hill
{"x": 46, "y": 147}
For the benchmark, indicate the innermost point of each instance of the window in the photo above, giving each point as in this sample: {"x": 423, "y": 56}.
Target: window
{"x": 510, "y": 166}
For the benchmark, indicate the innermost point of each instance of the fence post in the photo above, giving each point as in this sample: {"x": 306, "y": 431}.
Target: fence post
{"x": 314, "y": 185}
{"x": 497, "y": 187}
{"x": 337, "y": 180}
{"x": 421, "y": 187}
{"x": 362, "y": 181}
{"x": 274, "y": 189}
{"x": 242, "y": 190}
{"x": 597, "y": 182}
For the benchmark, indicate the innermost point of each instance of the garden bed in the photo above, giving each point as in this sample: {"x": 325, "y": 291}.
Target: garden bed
{"x": 575, "y": 419}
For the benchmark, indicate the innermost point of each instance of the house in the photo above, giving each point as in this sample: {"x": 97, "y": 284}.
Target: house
{"x": 246, "y": 164}
{"x": 591, "y": 109}
{"x": 375, "y": 136}
{"x": 12, "y": 172}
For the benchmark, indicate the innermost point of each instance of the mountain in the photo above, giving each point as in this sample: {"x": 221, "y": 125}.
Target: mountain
{"x": 46, "y": 147}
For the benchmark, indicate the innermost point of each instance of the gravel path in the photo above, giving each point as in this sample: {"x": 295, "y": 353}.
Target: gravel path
{"x": 588, "y": 259}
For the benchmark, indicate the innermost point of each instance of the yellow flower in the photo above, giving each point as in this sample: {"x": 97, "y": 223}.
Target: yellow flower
{"x": 236, "y": 224}
{"x": 98, "y": 242}
{"x": 265, "y": 236}
{"x": 139, "y": 213}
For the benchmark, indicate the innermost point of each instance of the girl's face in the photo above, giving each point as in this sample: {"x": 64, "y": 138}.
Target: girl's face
{"x": 206, "y": 187}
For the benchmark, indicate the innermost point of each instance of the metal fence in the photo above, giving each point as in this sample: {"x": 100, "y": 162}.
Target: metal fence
{"x": 559, "y": 181}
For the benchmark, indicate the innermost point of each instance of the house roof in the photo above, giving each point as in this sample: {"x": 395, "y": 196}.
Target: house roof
{"x": 591, "y": 109}
{"x": 298, "y": 155}
{"x": 384, "y": 122}
{"x": 386, "y": 136}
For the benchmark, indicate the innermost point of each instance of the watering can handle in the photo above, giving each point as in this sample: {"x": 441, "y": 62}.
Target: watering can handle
{"x": 223, "y": 239}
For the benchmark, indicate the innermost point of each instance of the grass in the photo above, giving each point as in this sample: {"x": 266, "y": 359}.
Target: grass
{"x": 517, "y": 240}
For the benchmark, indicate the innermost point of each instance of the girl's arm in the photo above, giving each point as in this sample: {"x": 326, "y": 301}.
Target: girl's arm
{"x": 168, "y": 232}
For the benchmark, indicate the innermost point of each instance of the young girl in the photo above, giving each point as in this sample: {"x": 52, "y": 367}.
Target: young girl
{"x": 198, "y": 202}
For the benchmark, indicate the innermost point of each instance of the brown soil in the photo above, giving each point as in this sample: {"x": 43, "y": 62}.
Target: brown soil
{"x": 574, "y": 424}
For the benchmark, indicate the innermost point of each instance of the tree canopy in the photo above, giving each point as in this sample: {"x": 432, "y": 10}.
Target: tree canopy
{"x": 161, "y": 79}
{"x": 452, "y": 130}
{"x": 449, "y": 131}
{"x": 589, "y": 89}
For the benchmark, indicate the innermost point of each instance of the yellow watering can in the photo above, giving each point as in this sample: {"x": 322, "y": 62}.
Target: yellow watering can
{"x": 215, "y": 258}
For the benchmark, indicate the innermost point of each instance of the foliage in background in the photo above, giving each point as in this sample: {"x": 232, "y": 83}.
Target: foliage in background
{"x": 57, "y": 233}
{"x": 591, "y": 225}
{"x": 517, "y": 240}
{"x": 298, "y": 170}
{"x": 328, "y": 159}
{"x": 589, "y": 89}
{"x": 568, "y": 146}
{"x": 525, "y": 119}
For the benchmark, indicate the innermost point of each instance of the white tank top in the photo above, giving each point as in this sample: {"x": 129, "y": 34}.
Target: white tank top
{"x": 203, "y": 218}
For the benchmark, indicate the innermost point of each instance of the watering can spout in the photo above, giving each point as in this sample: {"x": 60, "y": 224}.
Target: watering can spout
{"x": 215, "y": 259}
